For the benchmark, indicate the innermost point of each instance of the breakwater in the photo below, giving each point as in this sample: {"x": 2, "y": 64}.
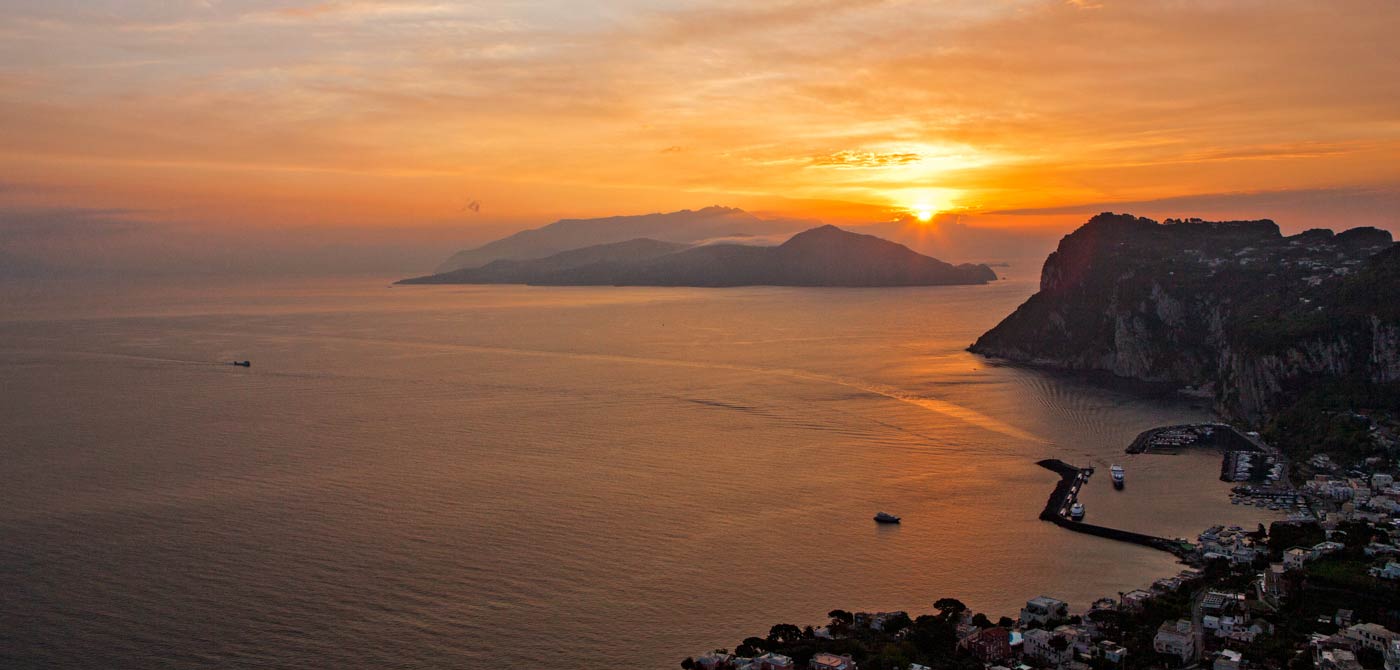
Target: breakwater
{"x": 1056, "y": 511}
{"x": 1171, "y": 439}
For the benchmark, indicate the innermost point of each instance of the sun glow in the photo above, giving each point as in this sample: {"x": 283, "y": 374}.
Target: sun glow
{"x": 923, "y": 213}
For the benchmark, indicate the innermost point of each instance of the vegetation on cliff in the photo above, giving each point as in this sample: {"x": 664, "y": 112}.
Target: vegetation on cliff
{"x": 1282, "y": 330}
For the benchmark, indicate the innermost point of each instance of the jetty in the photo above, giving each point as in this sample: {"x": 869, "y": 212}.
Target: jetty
{"x": 1066, "y": 493}
{"x": 1172, "y": 439}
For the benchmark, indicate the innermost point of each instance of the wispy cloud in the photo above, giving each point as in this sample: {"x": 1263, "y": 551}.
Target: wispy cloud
{"x": 341, "y": 111}
{"x": 865, "y": 159}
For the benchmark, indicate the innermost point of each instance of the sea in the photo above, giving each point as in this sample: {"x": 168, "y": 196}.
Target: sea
{"x": 528, "y": 477}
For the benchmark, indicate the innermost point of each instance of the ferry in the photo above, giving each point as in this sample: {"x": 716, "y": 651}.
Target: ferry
{"x": 881, "y": 517}
{"x": 1117, "y": 471}
{"x": 1077, "y": 512}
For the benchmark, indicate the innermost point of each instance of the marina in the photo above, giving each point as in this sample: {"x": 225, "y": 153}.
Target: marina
{"x": 1060, "y": 510}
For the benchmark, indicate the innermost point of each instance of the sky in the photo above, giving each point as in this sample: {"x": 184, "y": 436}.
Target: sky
{"x": 148, "y": 132}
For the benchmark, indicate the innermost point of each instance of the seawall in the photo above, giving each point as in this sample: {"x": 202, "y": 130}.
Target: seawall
{"x": 1063, "y": 497}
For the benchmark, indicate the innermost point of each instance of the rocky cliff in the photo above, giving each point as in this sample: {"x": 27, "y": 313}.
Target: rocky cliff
{"x": 1234, "y": 309}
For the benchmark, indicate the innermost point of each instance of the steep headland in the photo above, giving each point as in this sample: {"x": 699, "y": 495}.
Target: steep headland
{"x": 1274, "y": 328}
{"x": 824, "y": 256}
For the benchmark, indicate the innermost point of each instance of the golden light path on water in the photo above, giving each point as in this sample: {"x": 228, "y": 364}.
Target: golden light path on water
{"x": 463, "y": 476}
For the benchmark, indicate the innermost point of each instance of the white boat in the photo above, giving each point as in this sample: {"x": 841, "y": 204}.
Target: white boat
{"x": 1117, "y": 472}
{"x": 881, "y": 517}
{"x": 1077, "y": 512}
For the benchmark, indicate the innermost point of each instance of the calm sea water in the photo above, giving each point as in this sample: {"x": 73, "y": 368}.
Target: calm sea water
{"x": 515, "y": 477}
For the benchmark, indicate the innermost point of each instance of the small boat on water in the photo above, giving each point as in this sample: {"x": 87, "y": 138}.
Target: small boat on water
{"x": 243, "y": 364}
{"x": 1076, "y": 513}
{"x": 1234, "y": 501}
{"x": 1117, "y": 472}
{"x": 881, "y": 517}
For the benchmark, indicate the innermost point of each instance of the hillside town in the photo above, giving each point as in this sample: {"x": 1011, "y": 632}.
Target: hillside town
{"x": 1317, "y": 591}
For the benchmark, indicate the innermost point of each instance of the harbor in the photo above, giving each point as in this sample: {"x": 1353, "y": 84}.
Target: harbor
{"x": 1059, "y": 511}
{"x": 1172, "y": 439}
{"x": 1259, "y": 469}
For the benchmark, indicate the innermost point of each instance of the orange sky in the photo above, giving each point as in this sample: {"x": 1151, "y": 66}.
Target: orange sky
{"x": 383, "y": 114}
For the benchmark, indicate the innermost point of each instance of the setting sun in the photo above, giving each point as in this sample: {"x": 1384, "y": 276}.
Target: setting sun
{"x": 923, "y": 214}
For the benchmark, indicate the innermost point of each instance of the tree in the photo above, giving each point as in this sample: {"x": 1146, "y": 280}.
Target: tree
{"x": 784, "y": 632}
{"x": 756, "y": 643}
{"x": 688, "y": 663}
{"x": 841, "y": 618}
{"x": 897, "y": 623}
{"x": 933, "y": 636}
{"x": 1006, "y": 622}
{"x": 980, "y": 620}
{"x": 949, "y": 607}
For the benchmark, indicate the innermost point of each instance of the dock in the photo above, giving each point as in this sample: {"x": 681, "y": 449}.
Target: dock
{"x": 1172, "y": 439}
{"x": 1066, "y": 493}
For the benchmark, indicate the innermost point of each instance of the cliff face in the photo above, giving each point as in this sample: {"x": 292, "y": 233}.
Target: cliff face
{"x": 1231, "y": 308}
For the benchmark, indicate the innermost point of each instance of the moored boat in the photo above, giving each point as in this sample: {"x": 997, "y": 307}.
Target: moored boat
{"x": 1077, "y": 512}
{"x": 881, "y": 517}
{"x": 1117, "y": 471}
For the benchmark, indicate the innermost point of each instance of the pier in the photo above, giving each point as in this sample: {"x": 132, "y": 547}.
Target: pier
{"x": 1066, "y": 492}
{"x": 1171, "y": 439}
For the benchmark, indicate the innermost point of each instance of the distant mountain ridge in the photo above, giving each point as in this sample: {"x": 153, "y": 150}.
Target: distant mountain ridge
{"x": 686, "y": 226}
{"x": 823, "y": 256}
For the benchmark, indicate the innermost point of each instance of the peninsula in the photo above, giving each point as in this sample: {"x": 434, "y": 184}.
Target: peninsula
{"x": 1297, "y": 337}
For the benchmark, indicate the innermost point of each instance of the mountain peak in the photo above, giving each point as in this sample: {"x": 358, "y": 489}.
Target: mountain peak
{"x": 826, "y": 234}
{"x": 685, "y": 227}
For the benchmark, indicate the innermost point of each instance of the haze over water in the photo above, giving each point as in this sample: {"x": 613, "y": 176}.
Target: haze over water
{"x": 485, "y": 477}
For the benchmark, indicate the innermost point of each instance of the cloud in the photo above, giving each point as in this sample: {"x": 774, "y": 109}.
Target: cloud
{"x": 344, "y": 111}
{"x": 1294, "y": 210}
{"x": 865, "y": 159}
{"x": 25, "y": 225}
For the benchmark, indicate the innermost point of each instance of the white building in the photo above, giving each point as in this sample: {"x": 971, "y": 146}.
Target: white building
{"x": 714, "y": 659}
{"x": 1040, "y": 645}
{"x": 1176, "y": 638}
{"x": 771, "y": 661}
{"x": 1112, "y": 651}
{"x": 1043, "y": 609}
{"x": 1228, "y": 660}
{"x": 1390, "y": 571}
{"x": 1371, "y": 636}
{"x": 1296, "y": 558}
